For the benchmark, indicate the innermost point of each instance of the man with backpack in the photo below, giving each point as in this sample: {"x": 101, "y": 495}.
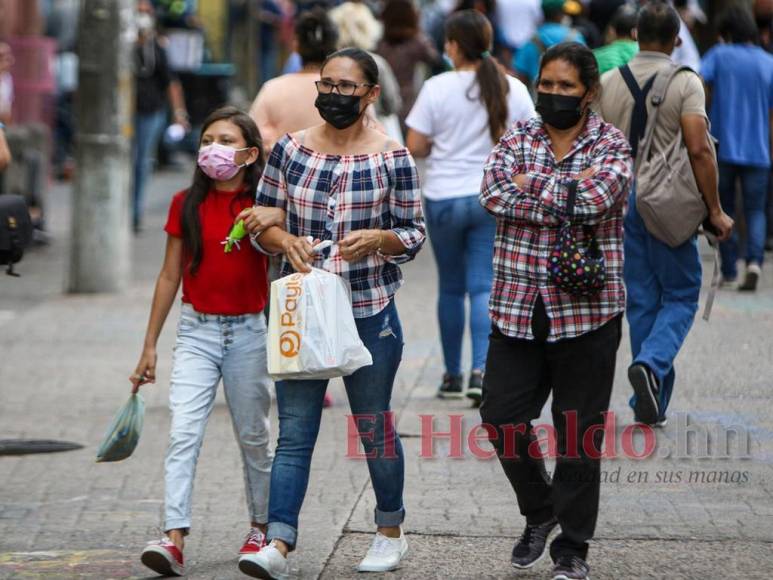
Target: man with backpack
{"x": 661, "y": 107}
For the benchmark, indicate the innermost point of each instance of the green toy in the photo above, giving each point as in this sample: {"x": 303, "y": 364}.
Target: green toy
{"x": 237, "y": 233}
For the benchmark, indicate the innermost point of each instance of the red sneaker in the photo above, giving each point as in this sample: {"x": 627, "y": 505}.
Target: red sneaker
{"x": 164, "y": 558}
{"x": 254, "y": 542}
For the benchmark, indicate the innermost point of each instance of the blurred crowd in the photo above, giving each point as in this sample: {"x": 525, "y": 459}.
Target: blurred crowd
{"x": 181, "y": 75}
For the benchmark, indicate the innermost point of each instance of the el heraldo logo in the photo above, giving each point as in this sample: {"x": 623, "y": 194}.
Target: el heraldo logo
{"x": 290, "y": 339}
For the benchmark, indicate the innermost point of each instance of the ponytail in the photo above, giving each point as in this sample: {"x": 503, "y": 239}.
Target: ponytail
{"x": 472, "y": 32}
{"x": 493, "y": 92}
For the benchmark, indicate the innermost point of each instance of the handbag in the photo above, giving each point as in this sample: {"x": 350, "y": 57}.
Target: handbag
{"x": 577, "y": 268}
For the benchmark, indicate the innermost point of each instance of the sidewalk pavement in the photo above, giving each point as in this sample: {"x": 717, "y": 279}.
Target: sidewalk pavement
{"x": 64, "y": 363}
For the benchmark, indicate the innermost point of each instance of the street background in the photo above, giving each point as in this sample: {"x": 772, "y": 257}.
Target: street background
{"x": 64, "y": 365}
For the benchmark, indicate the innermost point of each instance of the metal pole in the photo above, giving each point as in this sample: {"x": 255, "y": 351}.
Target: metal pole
{"x": 100, "y": 250}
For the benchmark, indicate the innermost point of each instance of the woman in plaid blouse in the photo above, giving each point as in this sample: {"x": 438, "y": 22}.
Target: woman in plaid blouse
{"x": 544, "y": 338}
{"x": 347, "y": 183}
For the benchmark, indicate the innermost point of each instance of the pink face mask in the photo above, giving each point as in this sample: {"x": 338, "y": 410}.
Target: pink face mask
{"x": 217, "y": 161}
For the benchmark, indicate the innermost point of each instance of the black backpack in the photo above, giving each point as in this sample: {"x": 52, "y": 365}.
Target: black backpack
{"x": 15, "y": 230}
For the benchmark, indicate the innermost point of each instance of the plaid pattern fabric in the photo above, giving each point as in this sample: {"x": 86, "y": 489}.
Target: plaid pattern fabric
{"x": 528, "y": 220}
{"x": 329, "y": 196}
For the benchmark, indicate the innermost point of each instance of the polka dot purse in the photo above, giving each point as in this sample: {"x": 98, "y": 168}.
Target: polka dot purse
{"x": 577, "y": 268}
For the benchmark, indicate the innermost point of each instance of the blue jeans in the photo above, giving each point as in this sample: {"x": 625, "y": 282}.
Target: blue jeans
{"x": 147, "y": 131}
{"x": 300, "y": 409}
{"x": 210, "y": 347}
{"x": 462, "y": 237}
{"x": 754, "y": 189}
{"x": 663, "y": 286}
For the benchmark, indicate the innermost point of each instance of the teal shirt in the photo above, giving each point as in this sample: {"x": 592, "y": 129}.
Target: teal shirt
{"x": 615, "y": 55}
{"x": 527, "y": 58}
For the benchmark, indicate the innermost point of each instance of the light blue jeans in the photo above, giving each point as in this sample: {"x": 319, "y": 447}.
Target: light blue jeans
{"x": 210, "y": 347}
{"x": 462, "y": 236}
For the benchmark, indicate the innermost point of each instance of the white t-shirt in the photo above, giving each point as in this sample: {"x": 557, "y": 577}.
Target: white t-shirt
{"x": 518, "y": 20}
{"x": 458, "y": 126}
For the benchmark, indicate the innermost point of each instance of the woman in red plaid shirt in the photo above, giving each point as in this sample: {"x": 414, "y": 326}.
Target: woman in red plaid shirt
{"x": 544, "y": 337}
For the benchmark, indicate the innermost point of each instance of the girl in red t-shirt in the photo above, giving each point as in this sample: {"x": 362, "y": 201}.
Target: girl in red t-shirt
{"x": 221, "y": 333}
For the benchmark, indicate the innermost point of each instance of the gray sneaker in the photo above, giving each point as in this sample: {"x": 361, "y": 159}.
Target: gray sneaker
{"x": 570, "y": 568}
{"x": 532, "y": 545}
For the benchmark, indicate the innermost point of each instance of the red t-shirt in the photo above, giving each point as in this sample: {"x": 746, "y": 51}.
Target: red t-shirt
{"x": 228, "y": 284}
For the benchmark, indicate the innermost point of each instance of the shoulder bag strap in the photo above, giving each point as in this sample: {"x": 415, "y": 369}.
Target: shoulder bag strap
{"x": 639, "y": 115}
{"x": 659, "y": 88}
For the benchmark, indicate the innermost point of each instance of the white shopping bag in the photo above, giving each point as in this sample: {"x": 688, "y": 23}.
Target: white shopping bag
{"x": 311, "y": 329}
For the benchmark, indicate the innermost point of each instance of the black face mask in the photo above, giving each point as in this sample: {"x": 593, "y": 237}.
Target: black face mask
{"x": 341, "y": 111}
{"x": 559, "y": 111}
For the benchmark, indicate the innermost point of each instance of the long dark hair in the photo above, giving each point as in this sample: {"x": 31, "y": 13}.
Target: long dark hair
{"x": 473, "y": 34}
{"x": 202, "y": 184}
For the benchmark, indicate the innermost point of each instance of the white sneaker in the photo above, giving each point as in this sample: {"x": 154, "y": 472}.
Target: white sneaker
{"x": 269, "y": 563}
{"x": 384, "y": 554}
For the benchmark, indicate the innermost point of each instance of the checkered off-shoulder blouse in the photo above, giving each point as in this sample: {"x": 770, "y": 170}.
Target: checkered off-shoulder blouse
{"x": 328, "y": 196}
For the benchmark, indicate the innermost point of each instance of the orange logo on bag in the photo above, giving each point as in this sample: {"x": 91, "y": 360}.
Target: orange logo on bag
{"x": 290, "y": 340}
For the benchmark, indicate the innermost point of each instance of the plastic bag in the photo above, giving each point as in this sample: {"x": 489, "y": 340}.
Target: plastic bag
{"x": 124, "y": 431}
{"x": 311, "y": 329}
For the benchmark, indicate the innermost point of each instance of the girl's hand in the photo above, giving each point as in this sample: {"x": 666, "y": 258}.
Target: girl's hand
{"x": 356, "y": 245}
{"x": 258, "y": 218}
{"x": 299, "y": 252}
{"x": 146, "y": 370}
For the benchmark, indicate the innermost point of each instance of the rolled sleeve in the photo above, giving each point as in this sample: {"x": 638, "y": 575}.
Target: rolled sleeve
{"x": 405, "y": 213}
{"x": 609, "y": 186}
{"x": 503, "y": 199}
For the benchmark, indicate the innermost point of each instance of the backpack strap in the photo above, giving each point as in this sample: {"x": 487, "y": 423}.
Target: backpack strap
{"x": 639, "y": 116}
{"x": 658, "y": 93}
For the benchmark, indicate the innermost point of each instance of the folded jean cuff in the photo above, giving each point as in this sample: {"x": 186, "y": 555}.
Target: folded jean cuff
{"x": 389, "y": 519}
{"x": 284, "y": 532}
{"x": 177, "y": 524}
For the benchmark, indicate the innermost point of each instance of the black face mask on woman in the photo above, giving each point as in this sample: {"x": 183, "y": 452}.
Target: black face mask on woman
{"x": 341, "y": 111}
{"x": 560, "y": 111}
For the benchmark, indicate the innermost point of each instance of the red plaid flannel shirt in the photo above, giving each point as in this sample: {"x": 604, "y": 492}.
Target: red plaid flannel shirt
{"x": 528, "y": 224}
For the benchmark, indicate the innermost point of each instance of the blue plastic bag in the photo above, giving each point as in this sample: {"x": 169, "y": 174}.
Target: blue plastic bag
{"x": 124, "y": 431}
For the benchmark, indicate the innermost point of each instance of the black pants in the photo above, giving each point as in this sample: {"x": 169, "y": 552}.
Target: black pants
{"x": 520, "y": 375}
